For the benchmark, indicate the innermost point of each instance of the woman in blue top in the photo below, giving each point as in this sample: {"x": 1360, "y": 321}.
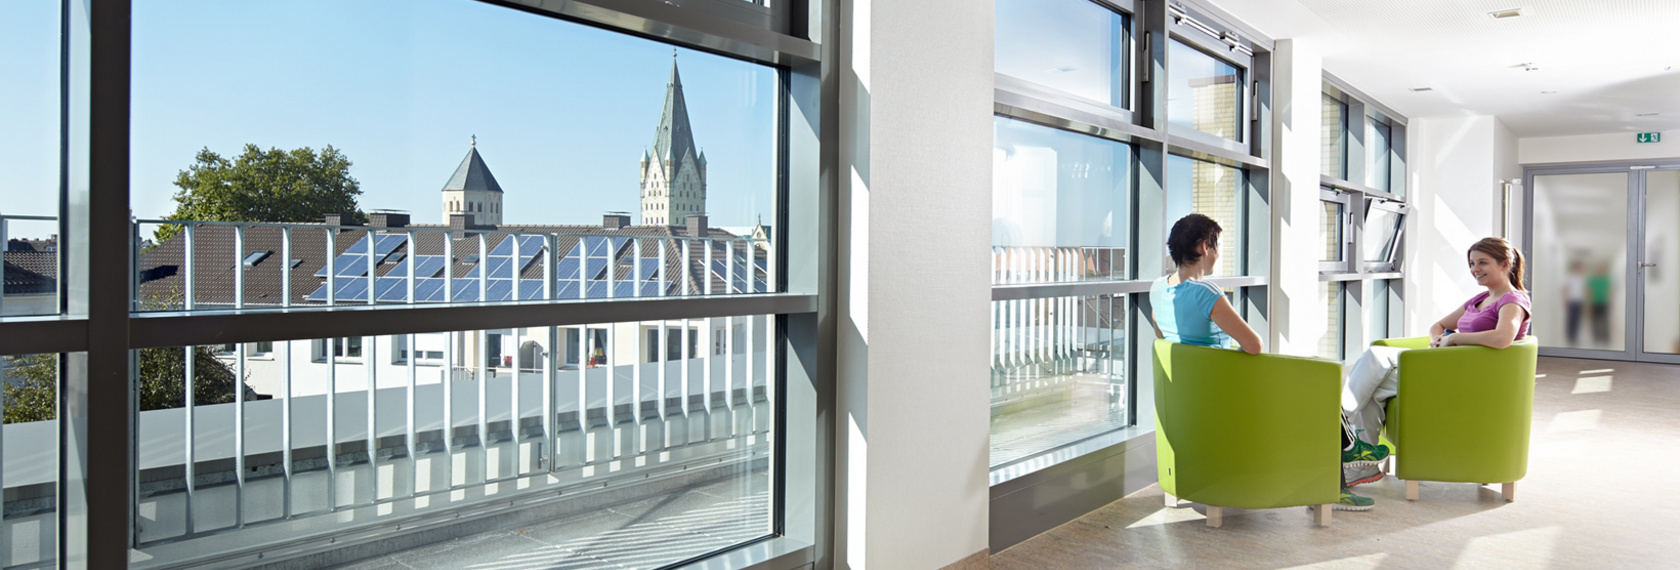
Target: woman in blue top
{"x": 1190, "y": 310}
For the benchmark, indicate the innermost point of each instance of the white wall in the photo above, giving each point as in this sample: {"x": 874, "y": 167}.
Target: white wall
{"x": 1297, "y": 298}
{"x": 1455, "y": 168}
{"x": 1596, "y": 148}
{"x": 914, "y": 294}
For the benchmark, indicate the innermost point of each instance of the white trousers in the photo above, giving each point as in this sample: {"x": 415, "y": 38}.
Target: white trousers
{"x": 1374, "y": 379}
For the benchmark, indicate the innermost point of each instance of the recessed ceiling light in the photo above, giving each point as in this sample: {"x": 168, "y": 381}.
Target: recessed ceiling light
{"x": 1547, "y": 92}
{"x": 1646, "y": 115}
{"x": 1063, "y": 69}
{"x": 1527, "y": 66}
{"x": 1422, "y": 89}
{"x": 1507, "y": 13}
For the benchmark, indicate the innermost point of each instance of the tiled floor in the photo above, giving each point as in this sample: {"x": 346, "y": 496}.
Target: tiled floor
{"x": 1597, "y": 495}
{"x": 1082, "y": 410}
{"x": 642, "y": 534}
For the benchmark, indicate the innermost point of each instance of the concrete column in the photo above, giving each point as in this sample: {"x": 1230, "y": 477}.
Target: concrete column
{"x": 1456, "y": 167}
{"x": 914, "y": 293}
{"x": 1298, "y": 300}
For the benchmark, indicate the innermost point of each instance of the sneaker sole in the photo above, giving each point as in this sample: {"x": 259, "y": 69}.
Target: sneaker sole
{"x": 1374, "y": 477}
{"x": 1363, "y": 462}
{"x": 1342, "y": 507}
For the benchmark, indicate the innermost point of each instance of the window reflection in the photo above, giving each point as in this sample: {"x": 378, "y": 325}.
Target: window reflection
{"x": 1058, "y": 373}
{"x": 1213, "y": 190}
{"x": 1075, "y": 46}
{"x": 1059, "y": 203}
{"x": 1203, "y": 93}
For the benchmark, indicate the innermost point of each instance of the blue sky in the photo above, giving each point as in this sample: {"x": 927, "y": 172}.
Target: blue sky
{"x": 562, "y": 111}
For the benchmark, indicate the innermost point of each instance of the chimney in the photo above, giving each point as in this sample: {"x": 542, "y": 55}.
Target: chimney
{"x": 388, "y": 220}
{"x": 615, "y": 221}
{"x": 697, "y": 225}
{"x": 461, "y": 221}
{"x": 341, "y": 220}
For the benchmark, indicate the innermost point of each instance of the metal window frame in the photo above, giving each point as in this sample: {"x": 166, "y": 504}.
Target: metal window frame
{"x": 1328, "y": 194}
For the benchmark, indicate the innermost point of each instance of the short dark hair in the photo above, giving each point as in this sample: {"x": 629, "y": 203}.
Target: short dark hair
{"x": 1186, "y": 233}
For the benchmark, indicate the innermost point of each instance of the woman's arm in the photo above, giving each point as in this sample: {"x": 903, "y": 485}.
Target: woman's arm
{"x": 1440, "y": 327}
{"x": 1510, "y": 319}
{"x": 1224, "y": 315}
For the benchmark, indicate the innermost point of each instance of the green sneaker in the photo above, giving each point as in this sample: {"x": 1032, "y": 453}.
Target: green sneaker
{"x": 1364, "y": 453}
{"x": 1352, "y": 502}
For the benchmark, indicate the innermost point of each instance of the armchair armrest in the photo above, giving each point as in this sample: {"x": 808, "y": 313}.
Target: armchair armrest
{"x": 1404, "y": 342}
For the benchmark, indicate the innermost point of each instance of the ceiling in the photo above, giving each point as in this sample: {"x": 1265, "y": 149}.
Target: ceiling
{"x": 1607, "y": 60}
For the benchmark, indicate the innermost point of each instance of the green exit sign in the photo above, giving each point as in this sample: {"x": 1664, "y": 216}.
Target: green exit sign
{"x": 1650, "y": 137}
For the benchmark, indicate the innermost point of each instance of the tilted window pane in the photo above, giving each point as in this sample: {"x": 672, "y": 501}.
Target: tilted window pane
{"x": 1059, "y": 204}
{"x": 1382, "y": 227}
{"x": 1075, "y": 46}
{"x": 1333, "y": 138}
{"x": 553, "y": 142}
{"x": 1213, "y": 190}
{"x": 500, "y": 416}
{"x": 1058, "y": 373}
{"x": 1203, "y": 93}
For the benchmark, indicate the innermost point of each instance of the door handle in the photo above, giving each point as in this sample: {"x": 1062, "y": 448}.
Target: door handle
{"x": 1647, "y": 265}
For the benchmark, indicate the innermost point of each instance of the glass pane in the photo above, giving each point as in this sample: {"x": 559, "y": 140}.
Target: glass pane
{"x": 1330, "y": 228}
{"x": 1579, "y": 260}
{"x": 31, "y": 460}
{"x": 1379, "y": 152}
{"x": 674, "y": 140}
{"x": 1333, "y": 138}
{"x": 1210, "y": 189}
{"x": 1204, "y": 93}
{"x": 1662, "y": 248}
{"x": 1076, "y": 46}
{"x": 30, "y": 57}
{"x": 1058, "y": 373}
{"x": 481, "y": 417}
{"x": 1330, "y": 345}
{"x": 1376, "y": 319}
{"x": 1059, "y": 203}
{"x": 1382, "y": 226}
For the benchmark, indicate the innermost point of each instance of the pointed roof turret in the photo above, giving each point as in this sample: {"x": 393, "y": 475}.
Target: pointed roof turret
{"x": 674, "y": 137}
{"x": 472, "y": 174}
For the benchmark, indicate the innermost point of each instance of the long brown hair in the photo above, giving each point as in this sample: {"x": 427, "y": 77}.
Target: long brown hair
{"x": 1502, "y": 251}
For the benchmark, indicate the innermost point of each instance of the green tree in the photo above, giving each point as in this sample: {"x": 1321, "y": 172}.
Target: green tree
{"x": 298, "y": 185}
{"x": 32, "y": 392}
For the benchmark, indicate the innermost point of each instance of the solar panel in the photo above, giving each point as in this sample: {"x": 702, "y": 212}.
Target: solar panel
{"x": 530, "y": 289}
{"x": 568, "y": 290}
{"x": 568, "y": 269}
{"x": 392, "y": 289}
{"x": 388, "y": 243}
{"x": 428, "y": 290}
{"x": 597, "y": 290}
{"x": 499, "y": 290}
{"x": 429, "y": 266}
{"x": 352, "y": 290}
{"x": 353, "y": 262}
{"x": 466, "y": 290}
{"x": 624, "y": 289}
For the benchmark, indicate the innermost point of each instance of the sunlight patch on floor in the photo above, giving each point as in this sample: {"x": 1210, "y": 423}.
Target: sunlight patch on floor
{"x": 1580, "y": 420}
{"x": 1168, "y": 516}
{"x": 1353, "y": 562}
{"x": 1592, "y": 385}
{"x": 1521, "y": 549}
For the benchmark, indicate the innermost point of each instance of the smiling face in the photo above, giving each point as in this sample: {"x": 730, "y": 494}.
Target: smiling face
{"x": 1487, "y": 271}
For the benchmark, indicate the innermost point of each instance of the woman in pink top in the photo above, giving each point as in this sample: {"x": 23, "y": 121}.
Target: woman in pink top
{"x": 1494, "y": 318}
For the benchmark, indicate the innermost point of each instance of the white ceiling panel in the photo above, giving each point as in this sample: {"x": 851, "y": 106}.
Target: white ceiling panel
{"x": 1607, "y": 61}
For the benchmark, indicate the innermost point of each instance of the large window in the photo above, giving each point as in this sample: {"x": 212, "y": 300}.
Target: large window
{"x": 382, "y": 284}
{"x": 1364, "y": 218}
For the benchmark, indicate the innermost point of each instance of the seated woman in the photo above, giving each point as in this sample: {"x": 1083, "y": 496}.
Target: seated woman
{"x": 1190, "y": 310}
{"x": 1494, "y": 318}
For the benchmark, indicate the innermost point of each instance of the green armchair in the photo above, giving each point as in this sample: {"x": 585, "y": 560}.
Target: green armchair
{"x": 1463, "y": 414}
{"x": 1247, "y": 431}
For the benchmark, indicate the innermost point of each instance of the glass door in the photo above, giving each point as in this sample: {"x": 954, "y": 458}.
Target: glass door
{"x": 1604, "y": 251}
{"x": 1579, "y": 263}
{"x": 1659, "y": 265}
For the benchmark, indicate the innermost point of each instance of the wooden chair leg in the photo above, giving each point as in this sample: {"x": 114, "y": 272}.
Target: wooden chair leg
{"x": 1509, "y": 491}
{"x": 1411, "y": 490}
{"x": 1172, "y": 502}
{"x": 1215, "y": 516}
{"x": 1321, "y": 514}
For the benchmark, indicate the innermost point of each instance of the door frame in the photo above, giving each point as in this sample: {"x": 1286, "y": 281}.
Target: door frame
{"x": 1634, "y": 283}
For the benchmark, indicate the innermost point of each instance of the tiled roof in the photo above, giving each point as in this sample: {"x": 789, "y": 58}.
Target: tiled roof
{"x": 31, "y": 272}
{"x": 473, "y": 174}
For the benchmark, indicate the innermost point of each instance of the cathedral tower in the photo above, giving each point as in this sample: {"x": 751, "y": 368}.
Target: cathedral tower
{"x": 473, "y": 190}
{"x": 674, "y": 173}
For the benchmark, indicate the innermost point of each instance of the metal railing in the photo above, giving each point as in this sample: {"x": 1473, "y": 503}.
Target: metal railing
{"x": 218, "y": 265}
{"x": 1018, "y": 265}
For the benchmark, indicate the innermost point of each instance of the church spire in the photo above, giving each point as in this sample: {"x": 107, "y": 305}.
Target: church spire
{"x": 674, "y": 137}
